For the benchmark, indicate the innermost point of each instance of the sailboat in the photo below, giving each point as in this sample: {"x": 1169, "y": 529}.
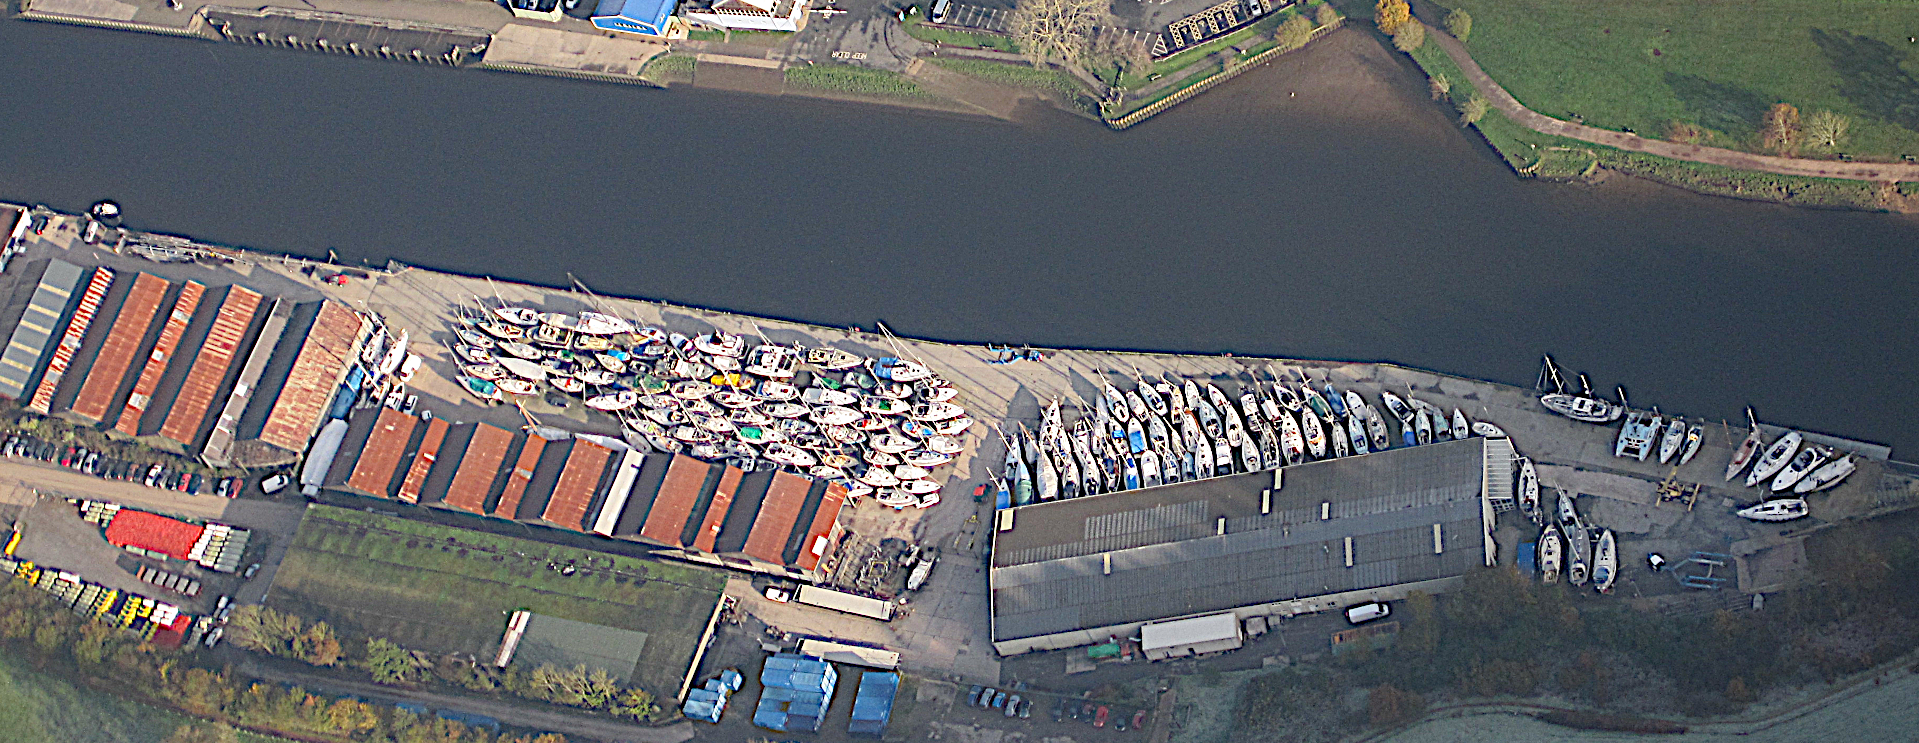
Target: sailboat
{"x": 1460, "y": 430}
{"x": 1577, "y": 546}
{"x": 1202, "y": 451}
{"x": 1784, "y": 509}
{"x": 1354, "y": 403}
{"x": 1235, "y": 430}
{"x": 1337, "y": 433}
{"x": 1222, "y": 457}
{"x": 1314, "y": 401}
{"x": 1582, "y": 407}
{"x": 1149, "y": 469}
{"x": 1248, "y": 455}
{"x": 1135, "y": 436}
{"x": 1549, "y": 554}
{"x": 1292, "y": 443}
{"x": 1673, "y": 440}
{"x": 1605, "y": 562}
{"x": 1775, "y": 458}
{"x": 1314, "y": 433}
{"x": 1048, "y": 480}
{"x": 1567, "y": 512}
{"x": 1743, "y": 455}
{"x": 1335, "y": 401}
{"x": 1396, "y": 405}
{"x": 1356, "y": 430}
{"x": 1136, "y": 405}
{"x": 1154, "y": 401}
{"x": 1423, "y": 426}
{"x": 1827, "y": 476}
{"x": 1069, "y": 481}
{"x": 1132, "y": 472}
{"x": 1116, "y": 403}
{"x": 1488, "y": 430}
{"x": 1529, "y": 489}
{"x": 1376, "y": 427}
{"x": 1809, "y": 458}
{"x": 1208, "y": 418}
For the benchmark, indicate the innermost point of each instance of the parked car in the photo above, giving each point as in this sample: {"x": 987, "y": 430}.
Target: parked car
{"x": 1099, "y": 716}
{"x": 92, "y": 463}
{"x": 193, "y": 488}
{"x": 1059, "y": 709}
{"x": 66, "y": 458}
{"x": 274, "y": 483}
{"x": 153, "y": 474}
{"x": 225, "y": 488}
{"x": 251, "y": 569}
{"x": 1012, "y": 706}
{"x": 986, "y": 697}
{"x": 1139, "y": 719}
{"x": 778, "y": 595}
{"x": 999, "y": 700}
{"x": 1026, "y": 709}
{"x": 972, "y": 696}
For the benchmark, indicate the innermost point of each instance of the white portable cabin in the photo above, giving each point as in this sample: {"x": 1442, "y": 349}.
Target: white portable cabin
{"x": 1213, "y": 633}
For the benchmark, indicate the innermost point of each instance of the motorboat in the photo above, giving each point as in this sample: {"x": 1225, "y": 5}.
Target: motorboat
{"x": 1808, "y": 459}
{"x": 613, "y": 401}
{"x": 1354, "y": 403}
{"x": 1636, "y": 438}
{"x": 1135, "y": 436}
{"x": 1673, "y": 440}
{"x": 1695, "y": 436}
{"x": 1549, "y": 554}
{"x": 1131, "y": 476}
{"x": 1783, "y": 509}
{"x": 1356, "y": 430}
{"x": 1460, "y": 430}
{"x": 719, "y": 343}
{"x": 935, "y": 411}
{"x": 1396, "y": 405}
{"x": 524, "y": 316}
{"x": 773, "y": 361}
{"x": 1605, "y": 562}
{"x": 1423, "y": 426}
{"x": 1488, "y": 430}
{"x": 1583, "y": 408}
{"x": 899, "y": 370}
{"x": 1136, "y": 405}
{"x": 1376, "y": 428}
{"x": 610, "y": 363}
{"x": 1116, "y": 403}
{"x": 1826, "y": 476}
{"x": 693, "y": 389}
{"x": 778, "y": 391}
{"x": 1149, "y": 475}
{"x": 1743, "y": 455}
{"x": 1314, "y": 432}
{"x": 833, "y": 359}
{"x": 1775, "y": 458}
{"x": 1336, "y": 402}
{"x": 1529, "y": 489}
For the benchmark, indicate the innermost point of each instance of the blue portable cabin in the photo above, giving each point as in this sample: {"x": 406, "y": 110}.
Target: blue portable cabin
{"x": 649, "y": 17}
{"x": 873, "y": 707}
{"x": 798, "y": 689}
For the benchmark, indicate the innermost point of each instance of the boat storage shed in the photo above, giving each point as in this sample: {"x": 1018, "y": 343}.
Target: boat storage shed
{"x": 1213, "y": 633}
{"x": 1312, "y": 537}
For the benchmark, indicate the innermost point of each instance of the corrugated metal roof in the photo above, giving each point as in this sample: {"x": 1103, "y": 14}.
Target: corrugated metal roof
{"x": 716, "y": 510}
{"x": 83, "y": 315}
{"x": 579, "y": 483}
{"x": 117, "y": 355}
{"x": 1052, "y": 573}
{"x": 778, "y": 516}
{"x": 223, "y": 438}
{"x": 685, "y": 477}
{"x": 373, "y": 472}
{"x": 202, "y": 386}
{"x": 176, "y": 326}
{"x": 473, "y": 481}
{"x": 522, "y": 474}
{"x": 317, "y": 369}
{"x": 423, "y": 461}
{"x": 38, "y": 323}
{"x": 151, "y": 531}
{"x": 819, "y": 536}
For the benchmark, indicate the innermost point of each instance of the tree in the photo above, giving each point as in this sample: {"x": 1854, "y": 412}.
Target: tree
{"x": 1055, "y": 29}
{"x": 1294, "y": 33}
{"x": 1826, "y": 131}
{"x": 259, "y": 628}
{"x": 1386, "y": 705}
{"x": 635, "y": 703}
{"x": 350, "y": 717}
{"x": 1780, "y": 129}
{"x": 1325, "y": 16}
{"x": 1409, "y": 37}
{"x": 1737, "y": 693}
{"x": 599, "y": 689}
{"x": 1473, "y": 109}
{"x": 319, "y": 646}
{"x": 1421, "y": 633}
{"x": 1389, "y": 15}
{"x": 389, "y": 663}
{"x": 1440, "y": 86}
{"x": 1122, "y": 52}
{"x": 1459, "y": 23}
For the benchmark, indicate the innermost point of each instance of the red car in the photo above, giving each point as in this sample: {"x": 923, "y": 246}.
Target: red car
{"x": 1139, "y": 718}
{"x": 1099, "y": 718}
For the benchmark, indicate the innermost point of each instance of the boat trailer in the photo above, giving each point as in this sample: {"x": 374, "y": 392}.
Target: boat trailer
{"x": 1700, "y": 570}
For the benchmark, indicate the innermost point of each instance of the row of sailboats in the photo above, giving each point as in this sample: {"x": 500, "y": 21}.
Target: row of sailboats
{"x": 1566, "y": 546}
{"x": 1171, "y": 430}
{"x": 1786, "y": 466}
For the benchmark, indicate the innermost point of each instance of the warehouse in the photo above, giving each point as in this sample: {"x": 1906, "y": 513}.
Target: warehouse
{"x": 1301, "y": 539}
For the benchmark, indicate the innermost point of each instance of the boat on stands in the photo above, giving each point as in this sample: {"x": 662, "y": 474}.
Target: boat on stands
{"x": 1376, "y": 428}
{"x": 1488, "y": 430}
{"x": 1549, "y": 552}
{"x": 1808, "y": 459}
{"x": 1636, "y": 438}
{"x": 517, "y": 387}
{"x": 481, "y": 388}
{"x": 1397, "y": 406}
{"x": 1460, "y": 430}
{"x": 1673, "y": 440}
{"x": 720, "y": 344}
{"x": 1744, "y": 454}
{"x": 1582, "y": 407}
{"x": 1356, "y": 430}
{"x": 1529, "y": 490}
{"x": 1695, "y": 436}
{"x": 523, "y": 316}
{"x": 487, "y": 372}
{"x": 1314, "y": 432}
{"x": 613, "y": 401}
{"x": 773, "y": 361}
{"x": 1783, "y": 509}
{"x": 1826, "y": 476}
{"x": 1292, "y": 440}
{"x": 899, "y": 370}
{"x": 833, "y": 359}
{"x": 1605, "y": 562}
{"x": 1775, "y": 458}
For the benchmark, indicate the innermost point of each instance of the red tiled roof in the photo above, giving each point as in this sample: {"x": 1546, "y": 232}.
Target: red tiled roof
{"x": 423, "y": 461}
{"x": 210, "y": 365}
{"x": 578, "y": 483}
{"x": 373, "y": 472}
{"x": 153, "y": 532}
{"x": 477, "y": 468}
{"x": 322, "y": 361}
{"x": 778, "y": 517}
{"x": 819, "y": 537}
{"x": 117, "y": 353}
{"x": 716, "y": 510}
{"x": 70, "y": 341}
{"x": 176, "y": 325}
{"x": 515, "y": 488}
{"x": 684, "y": 478}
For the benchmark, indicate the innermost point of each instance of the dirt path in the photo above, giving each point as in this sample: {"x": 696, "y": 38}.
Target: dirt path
{"x": 1507, "y": 104}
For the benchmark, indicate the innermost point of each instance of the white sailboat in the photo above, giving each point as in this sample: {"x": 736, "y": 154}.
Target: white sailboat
{"x": 1314, "y": 433}
{"x": 1605, "y": 562}
{"x": 1549, "y": 554}
{"x": 1672, "y": 440}
{"x": 1775, "y": 458}
{"x": 1743, "y": 455}
{"x": 1529, "y": 489}
{"x": 1784, "y": 509}
{"x": 1695, "y": 436}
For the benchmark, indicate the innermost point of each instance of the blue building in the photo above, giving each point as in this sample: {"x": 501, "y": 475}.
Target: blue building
{"x": 873, "y": 706}
{"x": 798, "y": 689}
{"x": 648, "y": 17}
{"x": 708, "y": 702}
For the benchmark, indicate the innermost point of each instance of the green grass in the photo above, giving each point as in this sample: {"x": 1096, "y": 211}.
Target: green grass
{"x": 670, "y": 68}
{"x": 38, "y": 707}
{"x": 1262, "y": 29}
{"x": 371, "y": 575}
{"x": 857, "y": 81}
{"x": 1017, "y": 75}
{"x": 949, "y": 37}
{"x": 1642, "y": 64}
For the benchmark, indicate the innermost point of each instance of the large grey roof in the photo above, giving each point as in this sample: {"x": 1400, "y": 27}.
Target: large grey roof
{"x": 1168, "y": 559}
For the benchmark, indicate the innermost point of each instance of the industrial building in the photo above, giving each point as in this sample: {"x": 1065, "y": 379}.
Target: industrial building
{"x": 772, "y": 522}
{"x": 1300, "y": 539}
{"x": 141, "y": 356}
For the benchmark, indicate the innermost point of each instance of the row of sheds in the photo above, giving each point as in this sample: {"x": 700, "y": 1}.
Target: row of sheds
{"x": 773, "y": 522}
{"x": 219, "y": 371}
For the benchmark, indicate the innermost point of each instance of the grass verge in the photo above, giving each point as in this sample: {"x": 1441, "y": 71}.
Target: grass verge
{"x": 967, "y": 39}
{"x": 446, "y": 589}
{"x": 1016, "y": 75}
{"x": 857, "y": 81}
{"x": 670, "y": 68}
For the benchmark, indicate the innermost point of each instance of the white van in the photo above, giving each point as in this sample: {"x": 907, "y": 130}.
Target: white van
{"x": 939, "y": 10}
{"x": 1367, "y": 612}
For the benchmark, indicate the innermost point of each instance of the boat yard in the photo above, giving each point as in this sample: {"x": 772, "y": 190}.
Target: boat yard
{"x": 946, "y": 626}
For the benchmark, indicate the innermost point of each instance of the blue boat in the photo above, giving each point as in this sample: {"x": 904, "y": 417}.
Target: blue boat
{"x": 1334, "y": 399}
{"x": 1408, "y": 432}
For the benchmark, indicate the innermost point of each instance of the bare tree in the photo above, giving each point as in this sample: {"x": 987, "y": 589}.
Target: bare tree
{"x": 1826, "y": 130}
{"x": 1121, "y": 51}
{"x": 1055, "y": 29}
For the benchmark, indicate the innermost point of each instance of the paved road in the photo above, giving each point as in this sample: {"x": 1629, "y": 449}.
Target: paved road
{"x": 1507, "y": 104}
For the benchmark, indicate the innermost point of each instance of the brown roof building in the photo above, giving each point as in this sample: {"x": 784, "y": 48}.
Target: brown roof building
{"x": 106, "y": 377}
{"x": 175, "y": 326}
{"x": 716, "y": 509}
{"x": 778, "y": 516}
{"x": 477, "y": 468}
{"x": 295, "y": 399}
{"x": 825, "y": 531}
{"x": 578, "y": 485}
{"x": 685, "y": 478}
{"x": 422, "y": 461}
{"x": 211, "y": 366}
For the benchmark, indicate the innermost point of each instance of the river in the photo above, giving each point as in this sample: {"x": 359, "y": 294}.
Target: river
{"x": 1319, "y": 207}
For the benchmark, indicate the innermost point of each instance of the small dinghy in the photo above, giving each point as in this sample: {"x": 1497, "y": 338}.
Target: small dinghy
{"x": 833, "y": 359}
{"x": 1672, "y": 440}
{"x": 489, "y": 372}
{"x": 1694, "y": 437}
{"x": 474, "y": 354}
{"x": 1376, "y": 428}
{"x": 612, "y": 401}
{"x": 1356, "y": 431}
{"x": 517, "y": 315}
{"x": 1396, "y": 405}
{"x": 1605, "y": 562}
{"x": 1460, "y": 430}
{"x": 1808, "y": 459}
{"x": 1784, "y": 509}
{"x": 1529, "y": 489}
{"x": 1488, "y": 430}
{"x": 1826, "y": 476}
{"x": 1549, "y": 554}
{"x": 1775, "y": 458}
{"x": 1314, "y": 433}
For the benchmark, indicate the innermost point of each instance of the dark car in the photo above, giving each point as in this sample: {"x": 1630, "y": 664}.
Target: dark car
{"x": 1059, "y": 710}
{"x": 972, "y": 696}
{"x": 49, "y": 452}
{"x": 1026, "y": 710}
{"x": 193, "y": 488}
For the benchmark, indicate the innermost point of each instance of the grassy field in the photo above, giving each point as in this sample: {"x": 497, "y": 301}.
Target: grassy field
{"x": 1642, "y": 64}
{"x": 445, "y": 589}
{"x": 857, "y": 81}
{"x": 918, "y": 29}
{"x": 37, "y": 707}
